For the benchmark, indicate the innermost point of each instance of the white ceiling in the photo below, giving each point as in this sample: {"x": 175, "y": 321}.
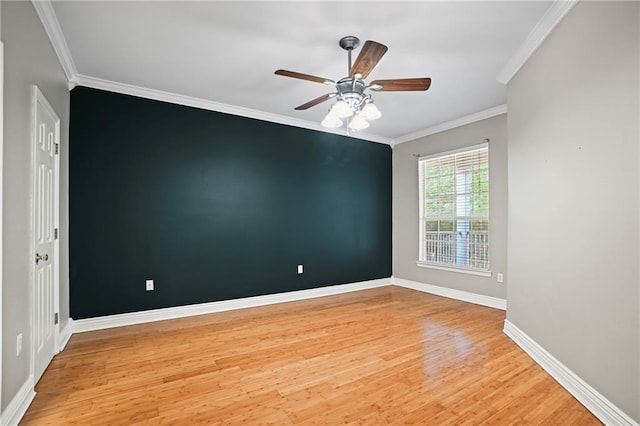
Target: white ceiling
{"x": 227, "y": 52}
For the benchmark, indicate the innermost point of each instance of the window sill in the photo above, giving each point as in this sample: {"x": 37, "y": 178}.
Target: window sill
{"x": 453, "y": 269}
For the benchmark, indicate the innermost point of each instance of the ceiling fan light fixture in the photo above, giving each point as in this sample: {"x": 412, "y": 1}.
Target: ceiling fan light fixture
{"x": 341, "y": 109}
{"x": 370, "y": 112}
{"x": 331, "y": 121}
{"x": 353, "y": 102}
{"x": 358, "y": 123}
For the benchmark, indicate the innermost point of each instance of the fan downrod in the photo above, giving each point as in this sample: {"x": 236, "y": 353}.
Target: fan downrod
{"x": 349, "y": 43}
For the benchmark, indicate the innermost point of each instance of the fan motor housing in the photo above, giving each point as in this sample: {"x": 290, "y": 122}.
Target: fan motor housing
{"x": 351, "y": 90}
{"x": 350, "y": 85}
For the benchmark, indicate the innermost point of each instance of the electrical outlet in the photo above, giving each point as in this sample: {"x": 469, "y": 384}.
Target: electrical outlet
{"x": 300, "y": 269}
{"x": 149, "y": 285}
{"x": 19, "y": 344}
{"x": 500, "y": 277}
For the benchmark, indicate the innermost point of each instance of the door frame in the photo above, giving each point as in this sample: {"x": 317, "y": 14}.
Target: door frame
{"x": 1, "y": 204}
{"x": 39, "y": 98}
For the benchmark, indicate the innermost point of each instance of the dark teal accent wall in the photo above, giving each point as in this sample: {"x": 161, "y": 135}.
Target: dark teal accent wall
{"x": 213, "y": 206}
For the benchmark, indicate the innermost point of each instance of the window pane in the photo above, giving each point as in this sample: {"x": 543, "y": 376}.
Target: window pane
{"x": 455, "y": 208}
{"x": 446, "y": 225}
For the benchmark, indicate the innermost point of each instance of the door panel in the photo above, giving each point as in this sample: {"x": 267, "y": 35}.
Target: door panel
{"x": 46, "y": 128}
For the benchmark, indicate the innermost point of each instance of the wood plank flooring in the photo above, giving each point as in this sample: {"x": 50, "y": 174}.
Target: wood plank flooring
{"x": 382, "y": 356}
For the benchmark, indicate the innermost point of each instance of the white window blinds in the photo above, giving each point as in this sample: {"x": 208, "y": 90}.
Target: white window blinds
{"x": 454, "y": 209}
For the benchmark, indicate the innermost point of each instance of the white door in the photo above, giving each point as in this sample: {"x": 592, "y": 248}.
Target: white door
{"x": 45, "y": 206}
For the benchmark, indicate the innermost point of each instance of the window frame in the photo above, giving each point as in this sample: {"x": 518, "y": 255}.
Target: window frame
{"x": 421, "y": 222}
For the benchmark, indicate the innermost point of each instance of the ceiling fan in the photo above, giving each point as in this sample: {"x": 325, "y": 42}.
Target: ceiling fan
{"x": 351, "y": 92}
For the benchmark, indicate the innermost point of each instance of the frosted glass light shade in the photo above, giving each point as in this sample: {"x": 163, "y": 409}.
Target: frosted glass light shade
{"x": 370, "y": 112}
{"x": 341, "y": 109}
{"x": 331, "y": 121}
{"x": 358, "y": 123}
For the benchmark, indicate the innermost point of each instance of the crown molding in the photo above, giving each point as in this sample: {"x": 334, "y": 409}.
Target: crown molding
{"x": 49, "y": 20}
{"x": 447, "y": 125}
{"x": 47, "y": 16}
{"x": 551, "y": 18}
{"x": 174, "y": 98}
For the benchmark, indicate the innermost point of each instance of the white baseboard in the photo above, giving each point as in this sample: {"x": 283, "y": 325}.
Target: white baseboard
{"x": 19, "y": 404}
{"x": 465, "y": 296}
{"x": 600, "y": 406}
{"x": 120, "y": 320}
{"x": 65, "y": 335}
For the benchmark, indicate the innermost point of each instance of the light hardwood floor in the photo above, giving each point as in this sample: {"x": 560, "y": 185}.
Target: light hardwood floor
{"x": 382, "y": 356}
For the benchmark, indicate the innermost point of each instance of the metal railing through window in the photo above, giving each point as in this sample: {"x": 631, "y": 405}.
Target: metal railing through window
{"x": 466, "y": 249}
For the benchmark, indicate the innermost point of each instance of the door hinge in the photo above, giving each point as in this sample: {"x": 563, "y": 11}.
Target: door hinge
{"x": 55, "y": 234}
{"x": 57, "y": 148}
{"x": 55, "y": 318}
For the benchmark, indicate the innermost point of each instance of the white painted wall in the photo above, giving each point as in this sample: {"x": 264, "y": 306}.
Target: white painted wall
{"x": 573, "y": 235}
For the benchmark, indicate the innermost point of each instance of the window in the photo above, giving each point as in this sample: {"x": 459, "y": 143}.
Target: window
{"x": 454, "y": 209}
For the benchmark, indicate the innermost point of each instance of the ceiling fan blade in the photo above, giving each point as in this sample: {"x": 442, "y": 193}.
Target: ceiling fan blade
{"x": 401, "y": 84}
{"x": 307, "y": 77}
{"x": 368, "y": 58}
{"x": 315, "y": 101}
